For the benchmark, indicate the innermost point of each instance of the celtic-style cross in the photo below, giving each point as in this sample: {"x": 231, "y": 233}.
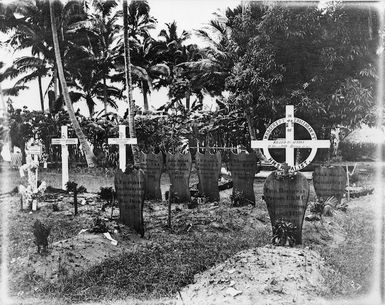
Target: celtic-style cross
{"x": 288, "y": 143}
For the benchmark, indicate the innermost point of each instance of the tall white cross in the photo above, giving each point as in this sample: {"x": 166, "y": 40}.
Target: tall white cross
{"x": 64, "y": 141}
{"x": 122, "y": 141}
{"x": 289, "y": 143}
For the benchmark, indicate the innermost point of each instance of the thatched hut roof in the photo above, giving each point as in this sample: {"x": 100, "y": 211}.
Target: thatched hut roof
{"x": 366, "y": 134}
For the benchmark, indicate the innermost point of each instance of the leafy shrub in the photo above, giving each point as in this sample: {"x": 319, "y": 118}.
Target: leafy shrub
{"x": 283, "y": 233}
{"x": 317, "y": 208}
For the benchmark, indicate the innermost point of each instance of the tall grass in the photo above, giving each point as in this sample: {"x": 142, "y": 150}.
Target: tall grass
{"x": 352, "y": 261}
{"x": 156, "y": 270}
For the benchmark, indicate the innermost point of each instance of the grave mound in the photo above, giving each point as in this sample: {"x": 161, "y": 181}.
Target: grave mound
{"x": 259, "y": 275}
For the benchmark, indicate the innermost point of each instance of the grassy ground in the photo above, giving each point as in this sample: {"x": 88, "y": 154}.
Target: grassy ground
{"x": 353, "y": 258}
{"x": 197, "y": 241}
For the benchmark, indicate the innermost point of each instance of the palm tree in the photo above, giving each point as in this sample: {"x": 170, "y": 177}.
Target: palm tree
{"x": 95, "y": 37}
{"x": 37, "y": 69}
{"x": 127, "y": 66}
{"x": 145, "y": 58}
{"x": 29, "y": 31}
{"x": 32, "y": 31}
{"x": 179, "y": 82}
{"x": 146, "y": 65}
{"x": 79, "y": 133}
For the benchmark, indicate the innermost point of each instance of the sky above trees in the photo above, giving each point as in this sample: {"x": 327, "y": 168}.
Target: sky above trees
{"x": 190, "y": 15}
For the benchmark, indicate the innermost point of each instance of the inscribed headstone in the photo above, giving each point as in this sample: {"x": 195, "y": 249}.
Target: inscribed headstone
{"x": 329, "y": 181}
{"x": 209, "y": 167}
{"x": 243, "y": 168}
{"x": 179, "y": 169}
{"x": 286, "y": 199}
{"x": 152, "y": 165}
{"x": 130, "y": 194}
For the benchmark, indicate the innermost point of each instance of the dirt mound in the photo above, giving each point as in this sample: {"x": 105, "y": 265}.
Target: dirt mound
{"x": 68, "y": 257}
{"x": 267, "y": 275}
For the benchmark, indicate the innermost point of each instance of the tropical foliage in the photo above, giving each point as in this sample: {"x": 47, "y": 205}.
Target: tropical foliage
{"x": 258, "y": 57}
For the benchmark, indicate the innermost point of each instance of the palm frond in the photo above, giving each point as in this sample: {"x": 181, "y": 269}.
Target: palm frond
{"x": 27, "y": 78}
{"x": 162, "y": 69}
{"x": 14, "y": 91}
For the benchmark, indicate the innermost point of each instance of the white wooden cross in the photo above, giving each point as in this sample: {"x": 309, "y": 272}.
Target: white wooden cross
{"x": 289, "y": 143}
{"x": 122, "y": 141}
{"x": 64, "y": 141}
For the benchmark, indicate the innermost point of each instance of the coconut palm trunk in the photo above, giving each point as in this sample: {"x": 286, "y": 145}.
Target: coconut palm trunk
{"x": 79, "y": 133}
{"x": 104, "y": 92}
{"x": 41, "y": 93}
{"x": 127, "y": 69}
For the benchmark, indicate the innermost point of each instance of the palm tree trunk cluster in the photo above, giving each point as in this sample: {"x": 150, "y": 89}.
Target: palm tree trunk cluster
{"x": 127, "y": 69}
{"x": 79, "y": 133}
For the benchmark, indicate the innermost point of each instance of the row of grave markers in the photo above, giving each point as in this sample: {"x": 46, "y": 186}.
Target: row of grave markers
{"x": 64, "y": 141}
{"x": 286, "y": 196}
{"x": 288, "y": 143}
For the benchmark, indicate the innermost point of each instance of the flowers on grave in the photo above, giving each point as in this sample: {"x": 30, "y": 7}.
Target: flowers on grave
{"x": 29, "y": 194}
{"x": 286, "y": 171}
{"x": 237, "y": 198}
{"x": 44, "y": 157}
{"x": 30, "y": 167}
{"x": 283, "y": 233}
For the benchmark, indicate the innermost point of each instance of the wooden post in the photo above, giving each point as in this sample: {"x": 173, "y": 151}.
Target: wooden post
{"x": 169, "y": 208}
{"x": 348, "y": 182}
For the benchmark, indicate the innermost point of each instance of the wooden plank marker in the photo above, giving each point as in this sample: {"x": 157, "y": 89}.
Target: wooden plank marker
{"x": 130, "y": 194}
{"x": 152, "y": 166}
{"x": 179, "y": 170}
{"x": 209, "y": 168}
{"x": 64, "y": 141}
{"x": 122, "y": 141}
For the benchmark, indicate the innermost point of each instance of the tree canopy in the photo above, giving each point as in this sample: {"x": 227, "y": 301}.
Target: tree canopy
{"x": 323, "y": 61}
{"x": 259, "y": 57}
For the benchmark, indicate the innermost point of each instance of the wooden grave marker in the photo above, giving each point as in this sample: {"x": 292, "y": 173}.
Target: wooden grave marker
{"x": 122, "y": 141}
{"x": 179, "y": 170}
{"x": 329, "y": 181}
{"x": 64, "y": 141}
{"x": 152, "y": 166}
{"x": 209, "y": 168}
{"x": 130, "y": 194}
{"x": 286, "y": 199}
{"x": 243, "y": 168}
